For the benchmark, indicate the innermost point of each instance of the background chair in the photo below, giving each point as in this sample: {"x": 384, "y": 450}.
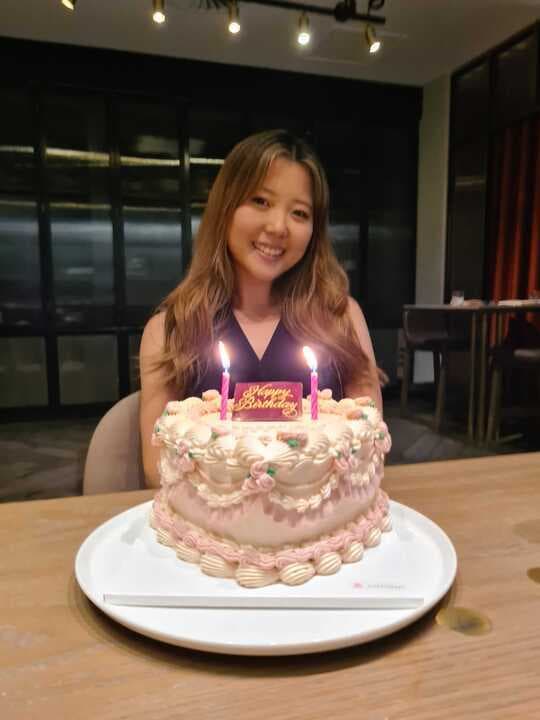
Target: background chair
{"x": 506, "y": 359}
{"x": 114, "y": 460}
{"x": 429, "y": 331}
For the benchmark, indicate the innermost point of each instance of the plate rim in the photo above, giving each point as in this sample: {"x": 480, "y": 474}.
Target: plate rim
{"x": 437, "y": 534}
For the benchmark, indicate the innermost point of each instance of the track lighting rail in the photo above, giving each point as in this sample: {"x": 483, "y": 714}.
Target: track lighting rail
{"x": 344, "y": 10}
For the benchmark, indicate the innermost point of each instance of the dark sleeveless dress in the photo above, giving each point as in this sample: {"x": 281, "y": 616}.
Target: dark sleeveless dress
{"x": 283, "y": 360}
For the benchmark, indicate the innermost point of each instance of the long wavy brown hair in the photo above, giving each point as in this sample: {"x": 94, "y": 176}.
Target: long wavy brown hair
{"x": 313, "y": 294}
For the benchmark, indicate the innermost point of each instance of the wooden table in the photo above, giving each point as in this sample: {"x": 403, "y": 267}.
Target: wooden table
{"x": 62, "y": 658}
{"x": 480, "y": 316}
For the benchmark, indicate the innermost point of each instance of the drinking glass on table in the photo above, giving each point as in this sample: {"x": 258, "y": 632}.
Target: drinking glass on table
{"x": 535, "y": 295}
{"x": 458, "y": 297}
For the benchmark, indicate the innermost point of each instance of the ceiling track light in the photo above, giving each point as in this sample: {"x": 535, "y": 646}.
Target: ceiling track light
{"x": 158, "y": 13}
{"x": 372, "y": 41}
{"x": 234, "y": 18}
{"x": 304, "y": 34}
{"x": 343, "y": 11}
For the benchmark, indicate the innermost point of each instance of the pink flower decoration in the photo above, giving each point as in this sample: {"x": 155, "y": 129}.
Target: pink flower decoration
{"x": 182, "y": 448}
{"x": 299, "y": 439}
{"x": 258, "y": 468}
{"x": 184, "y": 463}
{"x": 259, "y": 479}
{"x": 364, "y": 400}
{"x": 355, "y": 414}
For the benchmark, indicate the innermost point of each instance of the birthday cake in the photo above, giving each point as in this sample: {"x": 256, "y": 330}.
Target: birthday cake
{"x": 270, "y": 494}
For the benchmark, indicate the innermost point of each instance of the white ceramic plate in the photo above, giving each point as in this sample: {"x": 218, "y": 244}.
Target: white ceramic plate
{"x": 123, "y": 556}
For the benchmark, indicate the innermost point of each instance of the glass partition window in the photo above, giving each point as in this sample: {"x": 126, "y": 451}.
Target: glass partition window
{"x": 149, "y": 151}
{"x": 77, "y": 156}
{"x": 517, "y": 78}
{"x": 392, "y": 211}
{"x": 471, "y": 102}
{"x": 345, "y": 237}
{"x": 82, "y": 250}
{"x": 134, "y": 343}
{"x": 467, "y": 218}
{"x": 88, "y": 367}
{"x": 20, "y": 285}
{"x": 23, "y": 372}
{"x": 345, "y": 223}
{"x": 202, "y": 175}
{"x": 17, "y": 139}
{"x": 390, "y": 258}
{"x": 153, "y": 242}
{"x": 214, "y": 133}
{"x": 340, "y": 145}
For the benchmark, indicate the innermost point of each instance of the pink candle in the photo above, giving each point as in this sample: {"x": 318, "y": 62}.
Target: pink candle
{"x": 312, "y": 362}
{"x": 225, "y": 377}
{"x": 314, "y": 396}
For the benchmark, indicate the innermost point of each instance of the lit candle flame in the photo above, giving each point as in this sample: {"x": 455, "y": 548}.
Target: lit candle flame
{"x": 225, "y": 361}
{"x": 310, "y": 358}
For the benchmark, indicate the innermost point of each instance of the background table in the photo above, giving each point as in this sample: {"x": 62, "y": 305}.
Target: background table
{"x": 480, "y": 317}
{"x": 61, "y": 658}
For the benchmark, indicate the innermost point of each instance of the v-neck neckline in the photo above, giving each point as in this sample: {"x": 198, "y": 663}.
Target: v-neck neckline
{"x": 248, "y": 343}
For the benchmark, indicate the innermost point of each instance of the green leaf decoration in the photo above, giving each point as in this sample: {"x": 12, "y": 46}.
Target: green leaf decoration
{"x": 293, "y": 443}
{"x": 271, "y": 471}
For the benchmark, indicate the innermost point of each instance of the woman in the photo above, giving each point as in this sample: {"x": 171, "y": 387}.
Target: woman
{"x": 264, "y": 279}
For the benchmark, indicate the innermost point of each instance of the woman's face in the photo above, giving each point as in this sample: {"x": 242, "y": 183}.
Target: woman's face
{"x": 271, "y": 230}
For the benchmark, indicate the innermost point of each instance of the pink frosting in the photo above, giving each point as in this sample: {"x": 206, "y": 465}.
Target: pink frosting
{"x": 196, "y": 538}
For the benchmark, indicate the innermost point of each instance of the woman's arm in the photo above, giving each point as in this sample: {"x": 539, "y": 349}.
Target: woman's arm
{"x": 369, "y": 385}
{"x": 154, "y": 394}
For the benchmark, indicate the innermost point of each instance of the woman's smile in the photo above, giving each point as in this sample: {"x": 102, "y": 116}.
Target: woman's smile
{"x": 269, "y": 252}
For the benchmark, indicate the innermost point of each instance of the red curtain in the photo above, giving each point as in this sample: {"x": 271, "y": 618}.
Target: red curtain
{"x": 514, "y": 260}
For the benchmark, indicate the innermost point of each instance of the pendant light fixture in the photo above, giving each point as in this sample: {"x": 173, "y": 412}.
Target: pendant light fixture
{"x": 304, "y": 34}
{"x": 372, "y": 41}
{"x": 234, "y": 18}
{"x": 158, "y": 14}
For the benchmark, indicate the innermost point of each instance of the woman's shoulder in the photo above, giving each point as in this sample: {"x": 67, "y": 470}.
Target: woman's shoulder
{"x": 360, "y": 326}
{"x": 355, "y": 311}
{"x": 154, "y": 332}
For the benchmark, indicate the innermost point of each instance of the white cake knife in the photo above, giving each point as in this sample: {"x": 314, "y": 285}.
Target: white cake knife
{"x": 266, "y": 603}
